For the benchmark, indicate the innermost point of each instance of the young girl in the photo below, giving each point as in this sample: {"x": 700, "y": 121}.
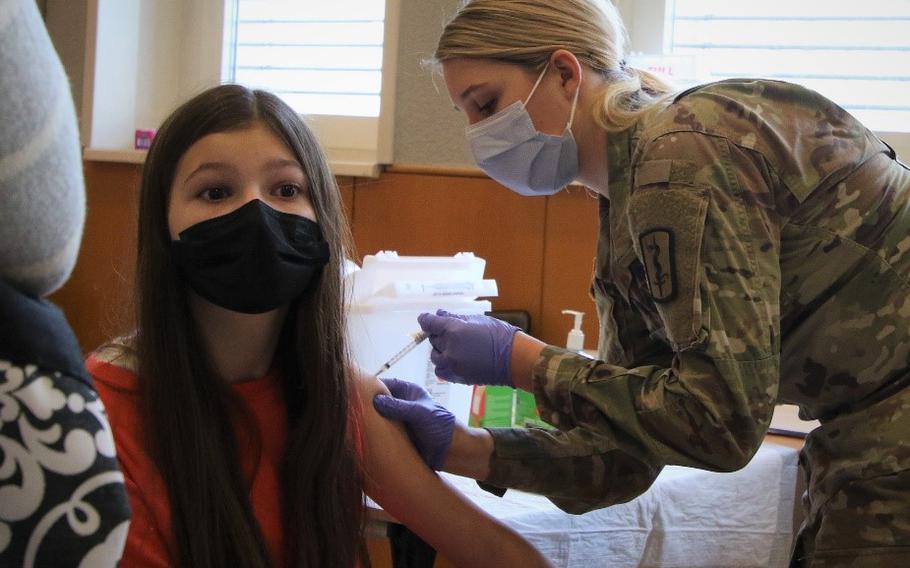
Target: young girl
{"x": 238, "y": 420}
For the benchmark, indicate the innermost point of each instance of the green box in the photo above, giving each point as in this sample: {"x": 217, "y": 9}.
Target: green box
{"x": 504, "y": 407}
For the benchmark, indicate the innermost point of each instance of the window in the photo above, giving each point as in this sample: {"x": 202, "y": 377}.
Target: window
{"x": 321, "y": 58}
{"x": 333, "y": 62}
{"x": 857, "y": 54}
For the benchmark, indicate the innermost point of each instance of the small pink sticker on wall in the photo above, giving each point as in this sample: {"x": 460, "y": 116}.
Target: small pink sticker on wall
{"x": 143, "y": 139}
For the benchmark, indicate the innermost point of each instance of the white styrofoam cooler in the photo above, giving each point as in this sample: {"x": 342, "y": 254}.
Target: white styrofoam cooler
{"x": 386, "y": 295}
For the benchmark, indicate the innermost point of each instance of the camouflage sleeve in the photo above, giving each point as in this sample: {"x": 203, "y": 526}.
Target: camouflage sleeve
{"x": 624, "y": 337}
{"x": 702, "y": 229}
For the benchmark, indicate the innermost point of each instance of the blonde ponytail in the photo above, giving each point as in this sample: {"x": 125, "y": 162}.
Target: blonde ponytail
{"x": 628, "y": 97}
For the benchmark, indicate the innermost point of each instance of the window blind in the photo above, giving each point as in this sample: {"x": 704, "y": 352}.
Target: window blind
{"x": 855, "y": 53}
{"x": 322, "y": 58}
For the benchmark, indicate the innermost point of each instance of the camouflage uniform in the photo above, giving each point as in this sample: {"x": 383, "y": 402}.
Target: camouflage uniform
{"x": 755, "y": 249}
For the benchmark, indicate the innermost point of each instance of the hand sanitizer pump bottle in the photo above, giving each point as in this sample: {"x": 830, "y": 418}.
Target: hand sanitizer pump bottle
{"x": 576, "y": 339}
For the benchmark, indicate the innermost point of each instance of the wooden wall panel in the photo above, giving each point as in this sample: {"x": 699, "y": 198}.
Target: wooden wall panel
{"x": 97, "y": 298}
{"x": 571, "y": 240}
{"x": 346, "y": 187}
{"x": 442, "y": 215}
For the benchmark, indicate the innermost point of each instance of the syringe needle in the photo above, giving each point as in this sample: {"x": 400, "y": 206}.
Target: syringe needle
{"x": 419, "y": 337}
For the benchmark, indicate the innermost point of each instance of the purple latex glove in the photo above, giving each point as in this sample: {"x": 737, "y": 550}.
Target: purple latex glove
{"x": 429, "y": 425}
{"x": 471, "y": 350}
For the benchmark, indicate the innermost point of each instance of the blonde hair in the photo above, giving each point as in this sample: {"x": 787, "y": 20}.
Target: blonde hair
{"x": 527, "y": 32}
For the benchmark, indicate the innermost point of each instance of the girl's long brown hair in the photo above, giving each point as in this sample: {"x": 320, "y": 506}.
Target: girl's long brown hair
{"x": 187, "y": 424}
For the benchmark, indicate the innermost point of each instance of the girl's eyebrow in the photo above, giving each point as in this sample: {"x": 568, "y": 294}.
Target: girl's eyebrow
{"x": 279, "y": 163}
{"x": 275, "y": 164}
{"x": 209, "y": 166}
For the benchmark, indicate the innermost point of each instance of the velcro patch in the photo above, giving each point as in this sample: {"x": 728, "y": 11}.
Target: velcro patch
{"x": 668, "y": 225}
{"x": 655, "y": 171}
{"x": 664, "y": 171}
{"x": 659, "y": 256}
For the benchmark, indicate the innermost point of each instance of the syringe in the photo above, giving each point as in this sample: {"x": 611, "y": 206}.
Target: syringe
{"x": 419, "y": 337}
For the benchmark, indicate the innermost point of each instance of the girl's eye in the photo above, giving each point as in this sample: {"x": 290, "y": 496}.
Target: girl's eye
{"x": 214, "y": 193}
{"x": 287, "y": 191}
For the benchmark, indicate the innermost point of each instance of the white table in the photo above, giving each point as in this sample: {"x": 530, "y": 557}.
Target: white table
{"x": 688, "y": 518}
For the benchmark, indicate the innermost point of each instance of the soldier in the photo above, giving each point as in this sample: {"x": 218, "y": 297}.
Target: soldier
{"x": 753, "y": 249}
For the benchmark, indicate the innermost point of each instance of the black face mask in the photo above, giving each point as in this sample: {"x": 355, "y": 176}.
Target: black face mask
{"x": 252, "y": 260}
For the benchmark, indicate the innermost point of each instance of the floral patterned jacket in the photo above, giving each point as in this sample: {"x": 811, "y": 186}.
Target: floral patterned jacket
{"x": 62, "y": 497}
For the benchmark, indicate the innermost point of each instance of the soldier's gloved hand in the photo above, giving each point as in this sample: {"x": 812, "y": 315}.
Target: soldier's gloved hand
{"x": 429, "y": 425}
{"x": 471, "y": 350}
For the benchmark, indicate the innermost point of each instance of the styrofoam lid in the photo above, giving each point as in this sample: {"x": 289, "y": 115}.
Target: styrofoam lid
{"x": 420, "y": 275}
{"x": 421, "y": 306}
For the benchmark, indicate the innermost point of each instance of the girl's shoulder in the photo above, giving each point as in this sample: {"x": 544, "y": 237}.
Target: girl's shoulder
{"x": 114, "y": 365}
{"x": 113, "y": 370}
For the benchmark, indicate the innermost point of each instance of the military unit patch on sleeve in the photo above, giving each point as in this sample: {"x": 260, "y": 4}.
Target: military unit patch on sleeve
{"x": 657, "y": 248}
{"x": 667, "y": 226}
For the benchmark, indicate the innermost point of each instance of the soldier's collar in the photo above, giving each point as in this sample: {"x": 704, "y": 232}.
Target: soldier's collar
{"x": 619, "y": 158}
{"x": 619, "y": 162}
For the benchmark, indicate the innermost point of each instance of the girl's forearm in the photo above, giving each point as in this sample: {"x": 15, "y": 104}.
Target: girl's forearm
{"x": 491, "y": 544}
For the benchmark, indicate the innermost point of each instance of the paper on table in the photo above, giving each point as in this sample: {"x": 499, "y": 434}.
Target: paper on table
{"x": 786, "y": 421}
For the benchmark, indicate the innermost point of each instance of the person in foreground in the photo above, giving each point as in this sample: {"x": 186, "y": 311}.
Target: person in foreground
{"x": 753, "y": 250}
{"x": 237, "y": 417}
{"x": 62, "y": 495}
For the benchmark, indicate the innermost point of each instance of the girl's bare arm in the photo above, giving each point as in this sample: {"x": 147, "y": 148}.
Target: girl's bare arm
{"x": 407, "y": 489}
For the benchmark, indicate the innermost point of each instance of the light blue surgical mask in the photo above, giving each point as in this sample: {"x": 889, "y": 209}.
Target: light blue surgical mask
{"x": 509, "y": 149}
